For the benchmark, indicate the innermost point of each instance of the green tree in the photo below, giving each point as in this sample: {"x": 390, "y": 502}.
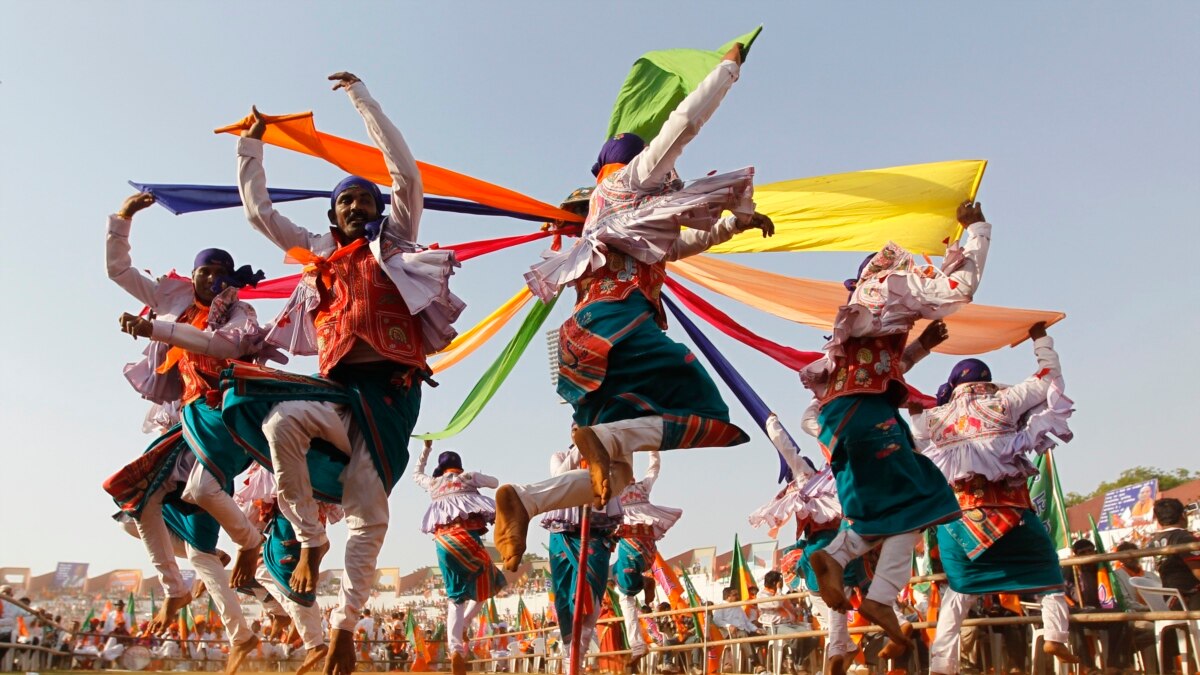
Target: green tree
{"x": 1134, "y": 475}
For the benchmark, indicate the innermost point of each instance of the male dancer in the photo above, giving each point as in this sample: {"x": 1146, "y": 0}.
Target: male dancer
{"x": 371, "y": 306}
{"x": 204, "y": 327}
{"x": 632, "y": 387}
{"x": 975, "y": 436}
{"x": 887, "y": 491}
{"x": 643, "y": 525}
{"x": 458, "y": 517}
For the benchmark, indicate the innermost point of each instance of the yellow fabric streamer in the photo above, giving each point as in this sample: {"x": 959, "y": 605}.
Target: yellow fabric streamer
{"x": 974, "y": 329}
{"x": 912, "y": 205}
{"x": 466, "y": 343}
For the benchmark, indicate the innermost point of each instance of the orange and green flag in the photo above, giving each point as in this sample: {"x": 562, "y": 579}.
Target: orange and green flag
{"x": 1108, "y": 588}
{"x": 739, "y": 573}
{"x": 416, "y": 640}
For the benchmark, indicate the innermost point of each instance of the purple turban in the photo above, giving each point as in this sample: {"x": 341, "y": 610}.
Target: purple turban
{"x": 236, "y": 277}
{"x": 965, "y": 371}
{"x": 447, "y": 460}
{"x": 620, "y": 149}
{"x": 851, "y": 284}
{"x": 357, "y": 181}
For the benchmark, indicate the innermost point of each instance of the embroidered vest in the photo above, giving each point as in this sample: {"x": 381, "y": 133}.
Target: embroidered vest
{"x": 451, "y": 483}
{"x": 978, "y": 492}
{"x": 621, "y": 276}
{"x": 363, "y": 304}
{"x": 869, "y": 365}
{"x": 200, "y": 373}
{"x": 974, "y": 412}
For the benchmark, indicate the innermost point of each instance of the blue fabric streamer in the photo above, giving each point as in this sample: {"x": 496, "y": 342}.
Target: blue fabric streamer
{"x": 732, "y": 378}
{"x": 180, "y": 199}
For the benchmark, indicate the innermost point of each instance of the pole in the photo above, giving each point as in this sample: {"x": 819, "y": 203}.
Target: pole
{"x": 581, "y": 586}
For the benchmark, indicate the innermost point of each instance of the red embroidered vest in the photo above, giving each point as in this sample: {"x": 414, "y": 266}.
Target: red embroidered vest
{"x": 200, "y": 372}
{"x": 978, "y": 492}
{"x": 621, "y": 276}
{"x": 870, "y": 364}
{"x": 363, "y": 304}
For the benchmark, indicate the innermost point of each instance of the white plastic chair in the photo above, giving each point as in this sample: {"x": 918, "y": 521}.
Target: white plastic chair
{"x": 1187, "y": 632}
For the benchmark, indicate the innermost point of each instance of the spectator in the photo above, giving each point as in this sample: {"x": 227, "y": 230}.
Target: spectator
{"x": 1084, "y": 584}
{"x": 1132, "y": 569}
{"x": 783, "y": 616}
{"x": 1180, "y": 571}
{"x": 736, "y": 624}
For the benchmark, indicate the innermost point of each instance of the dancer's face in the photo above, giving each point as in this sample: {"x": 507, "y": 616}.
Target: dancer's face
{"x": 204, "y": 278}
{"x": 352, "y": 210}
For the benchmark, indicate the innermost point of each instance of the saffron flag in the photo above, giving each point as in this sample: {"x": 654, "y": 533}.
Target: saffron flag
{"x": 495, "y": 375}
{"x": 416, "y": 639}
{"x": 974, "y": 329}
{"x": 1046, "y": 494}
{"x": 298, "y": 132}
{"x": 914, "y": 206}
{"x": 658, "y": 81}
{"x": 1107, "y": 586}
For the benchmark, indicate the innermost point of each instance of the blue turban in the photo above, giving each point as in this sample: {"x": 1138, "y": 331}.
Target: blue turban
{"x": 373, "y": 228}
{"x": 447, "y": 460}
{"x": 620, "y": 149}
{"x": 236, "y": 277}
{"x": 965, "y": 371}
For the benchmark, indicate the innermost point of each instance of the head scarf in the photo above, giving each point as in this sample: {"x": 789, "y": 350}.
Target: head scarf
{"x": 446, "y": 461}
{"x": 620, "y": 149}
{"x": 374, "y": 226}
{"x": 235, "y": 276}
{"x": 965, "y": 371}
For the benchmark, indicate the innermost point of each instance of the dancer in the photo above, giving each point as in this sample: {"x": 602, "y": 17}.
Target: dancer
{"x": 371, "y": 305}
{"x": 643, "y": 525}
{"x": 458, "y": 517}
{"x": 632, "y": 387}
{"x": 978, "y": 435}
{"x": 203, "y": 328}
{"x": 888, "y": 492}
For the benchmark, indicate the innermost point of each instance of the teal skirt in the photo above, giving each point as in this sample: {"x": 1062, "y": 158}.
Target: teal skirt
{"x": 616, "y": 364}
{"x": 564, "y": 570}
{"x": 213, "y": 445}
{"x": 854, "y": 575}
{"x": 633, "y": 559}
{"x": 885, "y": 487}
{"x": 281, "y": 554}
{"x": 1022, "y": 561}
{"x": 382, "y": 399}
{"x": 467, "y": 567}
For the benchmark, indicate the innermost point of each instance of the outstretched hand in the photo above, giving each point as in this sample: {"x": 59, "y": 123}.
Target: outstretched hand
{"x": 344, "y": 80}
{"x": 1038, "y": 330}
{"x": 969, "y": 213}
{"x": 934, "y": 334}
{"x": 133, "y": 204}
{"x": 762, "y": 222}
{"x": 258, "y": 126}
{"x": 736, "y": 54}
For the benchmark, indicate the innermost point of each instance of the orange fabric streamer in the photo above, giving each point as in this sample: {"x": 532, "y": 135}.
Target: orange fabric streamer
{"x": 313, "y": 262}
{"x": 974, "y": 329}
{"x": 298, "y": 132}
{"x": 175, "y": 353}
{"x": 466, "y": 344}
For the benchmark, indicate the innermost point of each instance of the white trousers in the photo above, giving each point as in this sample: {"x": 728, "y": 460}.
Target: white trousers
{"x": 631, "y": 610}
{"x": 587, "y": 632}
{"x": 894, "y": 568}
{"x": 307, "y": 620}
{"x": 458, "y": 620}
{"x": 210, "y": 570}
{"x": 160, "y": 544}
{"x": 365, "y": 502}
{"x": 837, "y": 623}
{"x": 290, "y": 428}
{"x": 574, "y": 488}
{"x": 944, "y": 653}
{"x": 203, "y": 490}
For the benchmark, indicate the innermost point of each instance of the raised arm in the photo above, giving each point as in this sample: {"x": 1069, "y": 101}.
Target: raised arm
{"x": 692, "y": 242}
{"x": 651, "y": 168}
{"x": 787, "y": 447}
{"x": 1025, "y": 395}
{"x": 238, "y": 337}
{"x": 652, "y": 471}
{"x": 482, "y": 480}
{"x": 120, "y": 265}
{"x": 252, "y": 187}
{"x": 933, "y": 335}
{"x": 419, "y": 476}
{"x": 407, "y": 191}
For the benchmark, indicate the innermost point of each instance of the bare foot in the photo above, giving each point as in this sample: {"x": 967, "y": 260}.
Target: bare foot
{"x": 308, "y": 569}
{"x": 512, "y": 526}
{"x": 837, "y": 665}
{"x": 280, "y": 626}
{"x": 882, "y": 615}
{"x": 168, "y": 612}
{"x": 829, "y": 578}
{"x": 1061, "y": 651}
{"x": 340, "y": 660}
{"x": 458, "y": 664}
{"x": 597, "y": 458}
{"x": 891, "y": 650}
{"x": 238, "y": 653}
{"x": 245, "y": 567}
{"x": 223, "y": 557}
{"x": 313, "y": 657}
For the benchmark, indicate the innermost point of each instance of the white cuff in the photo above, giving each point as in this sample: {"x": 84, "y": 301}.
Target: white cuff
{"x": 250, "y": 147}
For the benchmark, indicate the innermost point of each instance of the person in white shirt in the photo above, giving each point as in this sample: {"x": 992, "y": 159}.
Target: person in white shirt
{"x": 734, "y": 621}
{"x": 782, "y": 616}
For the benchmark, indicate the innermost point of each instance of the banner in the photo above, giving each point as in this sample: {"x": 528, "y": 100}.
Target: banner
{"x": 705, "y": 561}
{"x": 70, "y": 576}
{"x": 124, "y": 581}
{"x": 1129, "y": 506}
{"x": 189, "y": 578}
{"x": 762, "y": 555}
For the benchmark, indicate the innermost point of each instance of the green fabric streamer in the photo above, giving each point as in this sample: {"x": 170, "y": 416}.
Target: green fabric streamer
{"x": 1047, "y": 496}
{"x": 495, "y": 375}
{"x": 659, "y": 81}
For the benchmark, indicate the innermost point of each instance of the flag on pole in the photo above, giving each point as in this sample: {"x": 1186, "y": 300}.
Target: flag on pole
{"x": 87, "y": 620}
{"x": 1106, "y": 579}
{"x": 739, "y": 573}
{"x": 416, "y": 640}
{"x": 130, "y": 613}
{"x": 1046, "y": 494}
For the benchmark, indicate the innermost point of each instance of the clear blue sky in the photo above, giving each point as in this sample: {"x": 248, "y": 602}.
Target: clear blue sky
{"x": 1087, "y": 112}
